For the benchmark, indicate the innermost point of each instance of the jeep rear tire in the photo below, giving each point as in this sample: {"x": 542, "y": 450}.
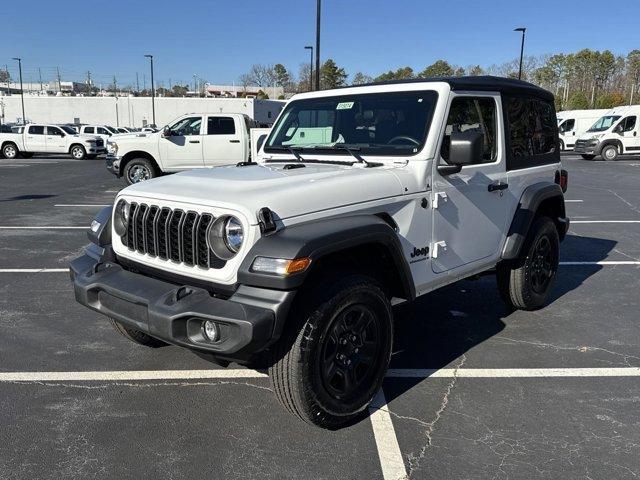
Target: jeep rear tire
{"x": 610, "y": 153}
{"x": 139, "y": 170}
{"x": 10, "y": 151}
{"x": 136, "y": 336}
{"x": 527, "y": 283}
{"x": 327, "y": 371}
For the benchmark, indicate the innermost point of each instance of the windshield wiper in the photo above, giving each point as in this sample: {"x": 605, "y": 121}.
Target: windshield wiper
{"x": 293, "y": 151}
{"x": 351, "y": 151}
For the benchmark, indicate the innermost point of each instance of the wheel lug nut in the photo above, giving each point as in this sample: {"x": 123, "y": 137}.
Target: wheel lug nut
{"x": 356, "y": 350}
{"x": 343, "y": 341}
{"x": 348, "y": 362}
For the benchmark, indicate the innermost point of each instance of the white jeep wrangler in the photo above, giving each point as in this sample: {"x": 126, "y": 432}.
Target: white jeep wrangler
{"x": 363, "y": 197}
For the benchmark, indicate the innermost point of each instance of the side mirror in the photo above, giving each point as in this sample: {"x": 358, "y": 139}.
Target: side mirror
{"x": 167, "y": 132}
{"x": 465, "y": 149}
{"x": 260, "y": 141}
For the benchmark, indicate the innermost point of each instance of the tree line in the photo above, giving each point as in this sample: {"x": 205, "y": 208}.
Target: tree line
{"x": 581, "y": 80}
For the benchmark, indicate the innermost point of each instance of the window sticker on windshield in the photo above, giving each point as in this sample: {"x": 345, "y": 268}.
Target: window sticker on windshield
{"x": 344, "y": 106}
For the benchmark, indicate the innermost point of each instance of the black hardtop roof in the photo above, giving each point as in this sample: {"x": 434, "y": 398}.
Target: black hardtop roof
{"x": 480, "y": 83}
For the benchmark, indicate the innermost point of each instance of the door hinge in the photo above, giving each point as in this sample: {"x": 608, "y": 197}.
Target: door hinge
{"x": 437, "y": 196}
{"x": 437, "y": 248}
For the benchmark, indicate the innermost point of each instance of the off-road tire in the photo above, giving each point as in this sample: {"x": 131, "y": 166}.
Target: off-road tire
{"x": 78, "y": 152}
{"x": 10, "y": 151}
{"x": 138, "y": 170}
{"x": 297, "y": 360}
{"x": 517, "y": 280}
{"x": 136, "y": 336}
{"x": 588, "y": 157}
{"x": 610, "y": 153}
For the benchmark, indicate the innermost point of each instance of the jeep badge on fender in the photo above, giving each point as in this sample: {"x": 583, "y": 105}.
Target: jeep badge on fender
{"x": 297, "y": 256}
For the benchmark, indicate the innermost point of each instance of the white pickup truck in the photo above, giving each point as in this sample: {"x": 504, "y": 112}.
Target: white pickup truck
{"x": 36, "y": 138}
{"x": 195, "y": 140}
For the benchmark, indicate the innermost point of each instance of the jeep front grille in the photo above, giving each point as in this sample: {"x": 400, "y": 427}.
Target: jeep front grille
{"x": 169, "y": 234}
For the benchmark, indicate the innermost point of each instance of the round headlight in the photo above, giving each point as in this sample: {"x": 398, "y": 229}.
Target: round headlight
{"x": 233, "y": 234}
{"x": 225, "y": 236}
{"x": 121, "y": 217}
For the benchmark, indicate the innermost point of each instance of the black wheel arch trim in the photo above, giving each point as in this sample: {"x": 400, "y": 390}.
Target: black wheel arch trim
{"x": 611, "y": 141}
{"x": 319, "y": 238}
{"x": 530, "y": 201}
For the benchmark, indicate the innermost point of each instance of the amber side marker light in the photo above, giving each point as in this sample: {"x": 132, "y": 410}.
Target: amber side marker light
{"x": 280, "y": 266}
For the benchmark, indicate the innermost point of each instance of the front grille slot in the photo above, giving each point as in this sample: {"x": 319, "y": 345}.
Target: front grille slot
{"x": 171, "y": 235}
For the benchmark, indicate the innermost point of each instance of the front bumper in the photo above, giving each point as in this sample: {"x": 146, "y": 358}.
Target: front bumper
{"x": 96, "y": 150}
{"x": 174, "y": 313}
{"x": 113, "y": 165}
{"x": 587, "y": 147}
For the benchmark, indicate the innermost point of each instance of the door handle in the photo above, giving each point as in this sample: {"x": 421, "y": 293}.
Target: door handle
{"x": 234, "y": 141}
{"x": 493, "y": 187}
{"x": 194, "y": 141}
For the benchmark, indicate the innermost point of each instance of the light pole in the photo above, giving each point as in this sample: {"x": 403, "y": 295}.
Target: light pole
{"x": 24, "y": 120}
{"x": 153, "y": 92}
{"x": 308, "y": 47}
{"x": 318, "y": 45}
{"x": 195, "y": 84}
{"x": 521, "y": 29}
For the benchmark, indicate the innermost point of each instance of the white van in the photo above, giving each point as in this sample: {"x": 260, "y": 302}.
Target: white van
{"x": 573, "y": 123}
{"x": 615, "y": 133}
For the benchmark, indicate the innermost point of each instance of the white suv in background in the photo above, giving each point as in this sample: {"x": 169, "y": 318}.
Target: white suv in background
{"x": 615, "y": 133}
{"x": 38, "y": 138}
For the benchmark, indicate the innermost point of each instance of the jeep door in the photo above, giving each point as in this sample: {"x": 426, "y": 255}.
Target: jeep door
{"x": 223, "y": 142}
{"x": 35, "y": 139}
{"x": 55, "y": 140}
{"x": 181, "y": 146}
{"x": 470, "y": 206}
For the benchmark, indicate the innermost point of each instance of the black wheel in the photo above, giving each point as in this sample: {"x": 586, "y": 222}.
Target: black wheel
{"x": 327, "y": 370}
{"x": 588, "y": 157}
{"x": 10, "y": 151}
{"x": 93, "y": 156}
{"x": 139, "y": 170}
{"x": 78, "y": 152}
{"x": 26, "y": 154}
{"x": 136, "y": 336}
{"x": 527, "y": 283}
{"x": 610, "y": 153}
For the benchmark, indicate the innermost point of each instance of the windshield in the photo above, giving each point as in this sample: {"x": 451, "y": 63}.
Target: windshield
{"x": 69, "y": 130}
{"x": 604, "y": 123}
{"x": 390, "y": 123}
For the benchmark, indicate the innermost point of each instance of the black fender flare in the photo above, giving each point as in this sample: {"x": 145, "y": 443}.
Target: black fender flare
{"x": 316, "y": 239}
{"x": 610, "y": 141}
{"x": 531, "y": 199}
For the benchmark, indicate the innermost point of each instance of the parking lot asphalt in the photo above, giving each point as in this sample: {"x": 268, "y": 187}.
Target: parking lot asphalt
{"x": 475, "y": 391}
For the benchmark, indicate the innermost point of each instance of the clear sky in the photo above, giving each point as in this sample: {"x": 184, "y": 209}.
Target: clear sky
{"x": 219, "y": 40}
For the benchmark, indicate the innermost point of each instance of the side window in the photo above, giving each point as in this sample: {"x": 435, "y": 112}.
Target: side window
{"x": 221, "y": 126}
{"x": 89, "y": 130}
{"x": 103, "y": 131}
{"x": 568, "y": 125}
{"x": 475, "y": 114}
{"x": 187, "y": 126}
{"x": 629, "y": 124}
{"x": 533, "y": 134}
{"x": 54, "y": 131}
{"x": 36, "y": 130}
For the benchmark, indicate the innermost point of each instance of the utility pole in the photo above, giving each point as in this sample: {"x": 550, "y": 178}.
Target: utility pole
{"x": 6, "y": 69}
{"x": 153, "y": 91}
{"x": 318, "y": 44}
{"x": 24, "y": 120}
{"x": 89, "y": 81}
{"x": 309, "y": 47}
{"x": 59, "y": 81}
{"x": 40, "y": 76}
{"x": 523, "y": 30}
{"x": 137, "y": 84}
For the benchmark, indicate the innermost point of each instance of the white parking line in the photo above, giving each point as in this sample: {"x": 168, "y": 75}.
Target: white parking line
{"x": 44, "y": 227}
{"x": 389, "y": 453}
{"x": 79, "y": 205}
{"x": 514, "y": 372}
{"x": 601, "y": 262}
{"x": 33, "y": 270}
{"x": 130, "y": 375}
{"x": 573, "y": 201}
{"x": 573, "y": 222}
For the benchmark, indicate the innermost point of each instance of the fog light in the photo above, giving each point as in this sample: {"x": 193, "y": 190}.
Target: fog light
{"x": 211, "y": 331}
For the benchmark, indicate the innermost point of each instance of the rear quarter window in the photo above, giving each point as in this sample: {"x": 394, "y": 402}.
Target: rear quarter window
{"x": 532, "y": 132}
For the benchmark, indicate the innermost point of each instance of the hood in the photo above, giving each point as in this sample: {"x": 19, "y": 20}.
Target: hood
{"x": 87, "y": 136}
{"x": 287, "y": 192}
